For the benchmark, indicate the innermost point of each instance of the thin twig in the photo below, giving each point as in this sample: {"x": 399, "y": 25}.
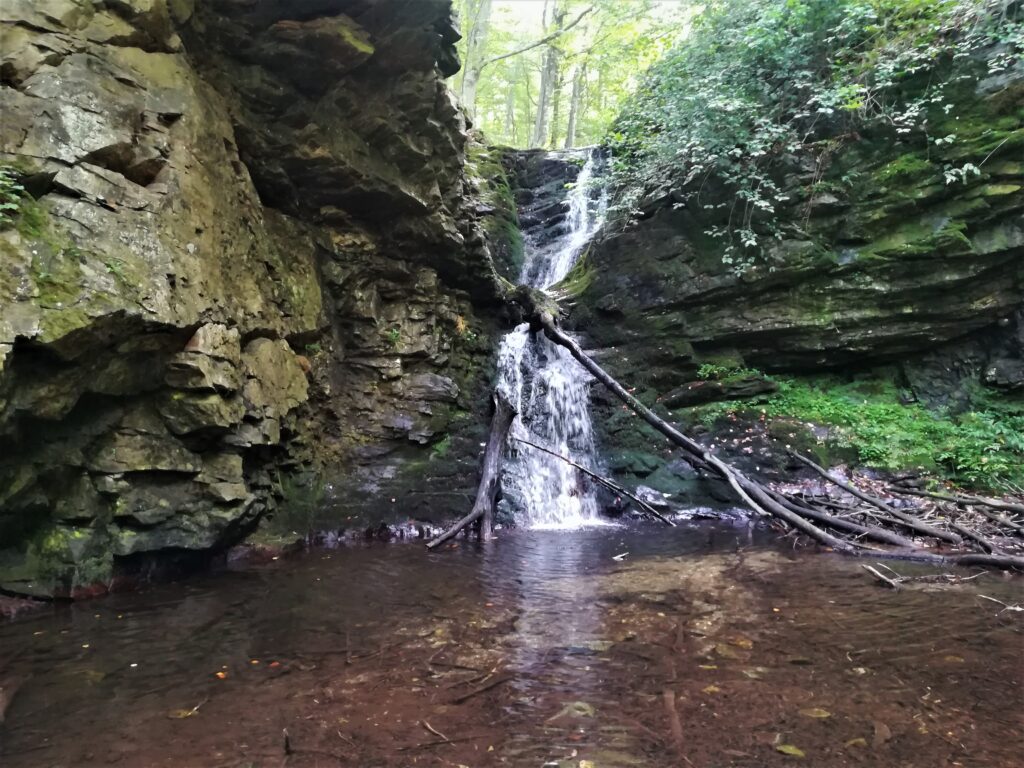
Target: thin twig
{"x": 882, "y": 577}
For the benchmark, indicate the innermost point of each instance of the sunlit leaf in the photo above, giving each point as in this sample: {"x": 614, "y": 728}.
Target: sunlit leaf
{"x": 789, "y": 749}
{"x": 817, "y": 712}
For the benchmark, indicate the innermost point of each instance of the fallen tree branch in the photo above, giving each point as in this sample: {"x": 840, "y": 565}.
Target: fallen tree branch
{"x": 967, "y": 533}
{"x": 482, "y": 688}
{"x": 487, "y": 493}
{"x": 1006, "y": 506}
{"x": 759, "y": 498}
{"x": 882, "y": 577}
{"x": 799, "y": 522}
{"x": 697, "y": 455}
{"x": 905, "y": 519}
{"x": 609, "y": 484}
{"x": 868, "y": 531}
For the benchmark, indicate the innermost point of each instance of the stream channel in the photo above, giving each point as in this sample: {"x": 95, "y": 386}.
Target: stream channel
{"x": 603, "y": 646}
{"x": 706, "y": 645}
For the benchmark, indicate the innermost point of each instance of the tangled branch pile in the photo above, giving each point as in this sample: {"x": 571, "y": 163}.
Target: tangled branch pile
{"x": 978, "y": 536}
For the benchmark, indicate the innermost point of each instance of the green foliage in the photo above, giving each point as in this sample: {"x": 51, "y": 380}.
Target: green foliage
{"x": 393, "y": 336}
{"x": 759, "y": 81}
{"x": 725, "y": 372}
{"x": 11, "y": 194}
{"x": 598, "y": 64}
{"x": 116, "y": 268}
{"x": 983, "y": 448}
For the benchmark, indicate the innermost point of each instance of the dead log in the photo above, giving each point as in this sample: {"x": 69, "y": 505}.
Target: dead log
{"x": 1015, "y": 527}
{"x": 487, "y": 492}
{"x": 796, "y": 521}
{"x": 906, "y": 520}
{"x": 611, "y": 485}
{"x": 697, "y": 451}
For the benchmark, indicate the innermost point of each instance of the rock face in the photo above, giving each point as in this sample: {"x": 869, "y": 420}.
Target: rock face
{"x": 887, "y": 260}
{"x": 246, "y": 252}
{"x": 885, "y": 255}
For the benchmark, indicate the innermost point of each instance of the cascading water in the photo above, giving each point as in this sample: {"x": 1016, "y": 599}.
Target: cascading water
{"x": 550, "y": 390}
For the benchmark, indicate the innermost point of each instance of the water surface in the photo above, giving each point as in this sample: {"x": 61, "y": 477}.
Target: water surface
{"x": 703, "y": 646}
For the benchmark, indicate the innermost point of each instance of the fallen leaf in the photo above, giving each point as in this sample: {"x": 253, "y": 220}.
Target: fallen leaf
{"x": 882, "y": 733}
{"x": 221, "y": 675}
{"x": 755, "y": 673}
{"x": 708, "y": 666}
{"x": 726, "y": 651}
{"x": 181, "y": 714}
{"x": 742, "y": 642}
{"x": 711, "y": 689}
{"x": 789, "y": 749}
{"x": 817, "y": 712}
{"x": 858, "y": 742}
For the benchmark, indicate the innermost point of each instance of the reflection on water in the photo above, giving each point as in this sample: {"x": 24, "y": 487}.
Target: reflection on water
{"x": 698, "y": 647}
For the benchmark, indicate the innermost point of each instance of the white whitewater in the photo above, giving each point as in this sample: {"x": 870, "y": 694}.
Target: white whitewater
{"x": 550, "y": 390}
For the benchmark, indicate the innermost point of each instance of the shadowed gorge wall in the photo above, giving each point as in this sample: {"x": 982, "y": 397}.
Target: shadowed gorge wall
{"x": 246, "y": 252}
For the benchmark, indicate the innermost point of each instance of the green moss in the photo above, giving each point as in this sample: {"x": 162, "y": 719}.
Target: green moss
{"x": 355, "y": 36}
{"x": 921, "y": 239}
{"x": 579, "y": 279}
{"x": 440, "y": 449}
{"x": 904, "y": 167}
{"x": 983, "y": 447}
{"x": 484, "y": 164}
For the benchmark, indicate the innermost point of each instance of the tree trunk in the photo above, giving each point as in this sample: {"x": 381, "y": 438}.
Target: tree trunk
{"x": 548, "y": 75}
{"x": 475, "y": 60}
{"x": 487, "y": 492}
{"x": 511, "y": 134}
{"x": 556, "y": 102}
{"x": 575, "y": 104}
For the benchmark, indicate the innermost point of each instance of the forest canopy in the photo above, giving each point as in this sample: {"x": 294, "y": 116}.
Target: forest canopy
{"x": 554, "y": 73}
{"x": 756, "y": 83}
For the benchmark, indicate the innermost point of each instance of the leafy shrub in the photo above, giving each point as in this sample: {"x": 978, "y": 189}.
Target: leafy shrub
{"x": 757, "y": 81}
{"x": 11, "y": 194}
{"x": 719, "y": 372}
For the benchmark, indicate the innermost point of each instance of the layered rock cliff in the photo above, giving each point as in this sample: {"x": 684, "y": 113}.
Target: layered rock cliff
{"x": 897, "y": 268}
{"x": 241, "y": 257}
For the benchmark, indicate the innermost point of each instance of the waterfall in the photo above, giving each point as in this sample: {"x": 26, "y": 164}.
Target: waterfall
{"x": 550, "y": 390}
